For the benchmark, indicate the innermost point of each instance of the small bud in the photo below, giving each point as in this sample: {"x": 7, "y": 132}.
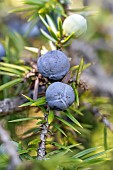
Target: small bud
{"x": 75, "y": 23}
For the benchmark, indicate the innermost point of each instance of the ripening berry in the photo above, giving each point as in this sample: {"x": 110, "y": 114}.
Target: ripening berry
{"x": 53, "y": 65}
{"x": 75, "y": 23}
{"x": 59, "y": 96}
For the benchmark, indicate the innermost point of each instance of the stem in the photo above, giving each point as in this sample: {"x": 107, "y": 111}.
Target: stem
{"x": 35, "y": 92}
{"x": 43, "y": 136}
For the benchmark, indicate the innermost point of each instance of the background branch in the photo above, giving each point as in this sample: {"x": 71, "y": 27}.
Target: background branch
{"x": 10, "y": 105}
{"x": 102, "y": 118}
{"x": 99, "y": 116}
{"x": 11, "y": 150}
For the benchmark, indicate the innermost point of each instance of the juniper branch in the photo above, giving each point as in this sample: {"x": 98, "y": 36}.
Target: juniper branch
{"x": 42, "y": 145}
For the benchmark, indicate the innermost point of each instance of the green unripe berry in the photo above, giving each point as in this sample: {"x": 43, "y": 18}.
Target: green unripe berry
{"x": 75, "y": 23}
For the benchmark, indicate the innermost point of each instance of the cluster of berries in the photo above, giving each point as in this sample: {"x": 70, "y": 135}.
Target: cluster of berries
{"x": 55, "y": 65}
